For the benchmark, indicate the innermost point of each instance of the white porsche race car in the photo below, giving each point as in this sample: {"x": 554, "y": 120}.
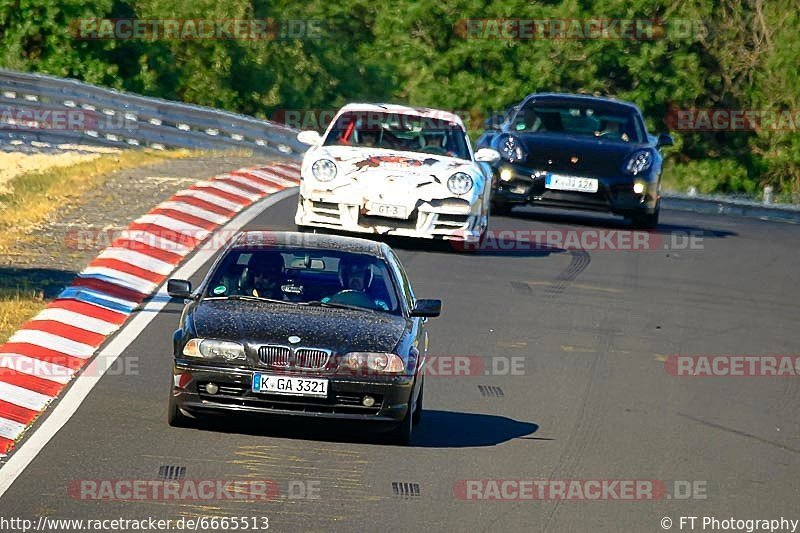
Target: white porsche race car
{"x": 397, "y": 170}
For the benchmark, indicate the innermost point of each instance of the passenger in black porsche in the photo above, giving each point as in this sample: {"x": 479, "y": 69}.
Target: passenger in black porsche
{"x": 356, "y": 278}
{"x": 264, "y": 276}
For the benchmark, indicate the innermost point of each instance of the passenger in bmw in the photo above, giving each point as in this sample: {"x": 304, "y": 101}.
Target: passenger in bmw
{"x": 356, "y": 278}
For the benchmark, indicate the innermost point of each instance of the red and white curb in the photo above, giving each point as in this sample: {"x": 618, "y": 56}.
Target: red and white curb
{"x": 41, "y": 358}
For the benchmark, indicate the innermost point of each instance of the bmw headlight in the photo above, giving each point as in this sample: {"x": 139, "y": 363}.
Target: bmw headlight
{"x": 638, "y": 162}
{"x": 372, "y": 363}
{"x": 511, "y": 149}
{"x": 213, "y": 349}
{"x": 459, "y": 183}
{"x": 324, "y": 170}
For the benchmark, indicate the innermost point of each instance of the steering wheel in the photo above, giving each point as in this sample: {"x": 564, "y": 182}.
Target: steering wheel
{"x": 351, "y": 297}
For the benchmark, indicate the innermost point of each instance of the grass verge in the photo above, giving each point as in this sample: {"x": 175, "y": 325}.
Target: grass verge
{"x": 35, "y": 195}
{"x": 16, "y": 309}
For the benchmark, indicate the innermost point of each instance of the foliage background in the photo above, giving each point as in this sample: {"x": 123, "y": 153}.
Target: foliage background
{"x": 743, "y": 55}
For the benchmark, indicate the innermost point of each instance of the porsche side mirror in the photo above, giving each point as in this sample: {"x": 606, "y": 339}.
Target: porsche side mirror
{"x": 309, "y": 137}
{"x": 487, "y": 155}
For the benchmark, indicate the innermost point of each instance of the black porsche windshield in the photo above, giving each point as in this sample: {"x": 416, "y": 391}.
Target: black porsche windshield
{"x": 607, "y": 122}
{"x": 306, "y": 277}
{"x": 396, "y": 131}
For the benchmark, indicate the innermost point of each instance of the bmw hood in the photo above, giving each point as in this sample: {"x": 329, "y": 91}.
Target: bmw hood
{"x": 339, "y": 330}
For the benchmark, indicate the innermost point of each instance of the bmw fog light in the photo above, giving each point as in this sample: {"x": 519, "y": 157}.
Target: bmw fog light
{"x": 368, "y": 401}
{"x": 212, "y": 388}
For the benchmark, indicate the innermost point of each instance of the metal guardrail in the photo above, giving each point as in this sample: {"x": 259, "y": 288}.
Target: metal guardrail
{"x": 111, "y": 118}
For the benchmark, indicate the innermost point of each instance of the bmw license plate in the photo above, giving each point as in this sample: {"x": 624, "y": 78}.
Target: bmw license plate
{"x": 570, "y": 183}
{"x": 389, "y": 210}
{"x": 290, "y": 385}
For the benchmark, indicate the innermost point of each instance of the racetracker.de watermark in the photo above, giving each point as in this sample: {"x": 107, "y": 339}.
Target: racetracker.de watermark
{"x": 726, "y": 119}
{"x": 578, "y": 489}
{"x": 193, "y": 489}
{"x": 732, "y": 365}
{"x": 583, "y": 29}
{"x": 164, "y": 29}
{"x": 13, "y": 118}
{"x": 588, "y": 239}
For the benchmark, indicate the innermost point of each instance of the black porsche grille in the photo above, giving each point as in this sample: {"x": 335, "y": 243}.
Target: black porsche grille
{"x": 286, "y": 357}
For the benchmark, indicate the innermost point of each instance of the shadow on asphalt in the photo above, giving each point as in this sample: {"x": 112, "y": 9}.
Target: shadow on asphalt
{"x": 437, "y": 429}
{"x": 27, "y": 281}
{"x": 608, "y": 221}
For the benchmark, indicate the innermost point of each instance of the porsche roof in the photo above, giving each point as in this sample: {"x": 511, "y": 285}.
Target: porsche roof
{"x": 425, "y": 112}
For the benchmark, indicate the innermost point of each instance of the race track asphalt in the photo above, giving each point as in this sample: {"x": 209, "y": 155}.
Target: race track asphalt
{"x": 590, "y": 399}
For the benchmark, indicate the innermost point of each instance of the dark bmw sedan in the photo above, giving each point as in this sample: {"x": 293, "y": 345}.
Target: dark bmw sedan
{"x": 575, "y": 151}
{"x": 302, "y": 325}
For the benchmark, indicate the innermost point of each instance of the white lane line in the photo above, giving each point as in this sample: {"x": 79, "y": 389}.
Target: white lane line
{"x": 79, "y": 320}
{"x": 23, "y": 397}
{"x": 83, "y": 385}
{"x": 36, "y": 367}
{"x": 50, "y": 341}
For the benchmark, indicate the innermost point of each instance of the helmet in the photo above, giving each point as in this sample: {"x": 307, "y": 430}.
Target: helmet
{"x": 350, "y": 267}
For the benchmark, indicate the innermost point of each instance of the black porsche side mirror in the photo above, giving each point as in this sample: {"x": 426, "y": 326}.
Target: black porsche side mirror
{"x": 664, "y": 140}
{"x": 427, "y": 308}
{"x": 179, "y": 288}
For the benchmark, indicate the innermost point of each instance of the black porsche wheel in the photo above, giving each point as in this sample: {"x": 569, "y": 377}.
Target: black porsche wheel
{"x": 417, "y": 416}
{"x": 175, "y": 417}
{"x": 402, "y": 433}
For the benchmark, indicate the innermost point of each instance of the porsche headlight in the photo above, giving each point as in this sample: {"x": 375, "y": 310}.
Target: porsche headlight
{"x": 324, "y": 170}
{"x": 372, "y": 363}
{"x": 638, "y": 162}
{"x": 213, "y": 349}
{"x": 459, "y": 183}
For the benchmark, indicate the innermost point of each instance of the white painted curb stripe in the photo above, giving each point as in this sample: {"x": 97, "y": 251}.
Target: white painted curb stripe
{"x": 230, "y": 188}
{"x": 79, "y": 320}
{"x": 195, "y": 211}
{"x": 53, "y": 342}
{"x": 10, "y": 429}
{"x": 36, "y": 367}
{"x": 178, "y": 226}
{"x": 135, "y": 258}
{"x": 212, "y": 198}
{"x": 119, "y": 278}
{"x": 274, "y": 177}
{"x": 23, "y": 397}
{"x": 252, "y": 183}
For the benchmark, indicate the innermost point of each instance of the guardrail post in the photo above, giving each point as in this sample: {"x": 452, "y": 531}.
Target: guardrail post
{"x": 767, "y": 195}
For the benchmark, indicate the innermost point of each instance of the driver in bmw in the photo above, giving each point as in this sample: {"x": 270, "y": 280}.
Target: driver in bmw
{"x": 356, "y": 278}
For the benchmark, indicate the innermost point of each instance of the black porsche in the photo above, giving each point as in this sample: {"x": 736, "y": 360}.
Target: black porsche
{"x": 302, "y": 325}
{"x": 575, "y": 151}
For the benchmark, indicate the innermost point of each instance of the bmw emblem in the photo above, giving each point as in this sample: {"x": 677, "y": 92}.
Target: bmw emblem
{"x": 294, "y": 339}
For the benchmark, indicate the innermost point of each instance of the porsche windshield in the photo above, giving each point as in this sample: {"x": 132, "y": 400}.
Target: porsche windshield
{"x": 396, "y": 131}
{"x": 325, "y": 278}
{"x": 612, "y": 123}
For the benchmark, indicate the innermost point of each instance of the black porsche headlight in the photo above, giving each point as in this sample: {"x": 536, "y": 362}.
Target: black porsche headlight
{"x": 638, "y": 162}
{"x": 511, "y": 149}
{"x": 214, "y": 349}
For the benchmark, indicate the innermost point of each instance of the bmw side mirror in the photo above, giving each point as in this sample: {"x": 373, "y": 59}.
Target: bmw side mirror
{"x": 309, "y": 137}
{"x": 664, "y": 140}
{"x": 179, "y": 288}
{"x": 427, "y": 308}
